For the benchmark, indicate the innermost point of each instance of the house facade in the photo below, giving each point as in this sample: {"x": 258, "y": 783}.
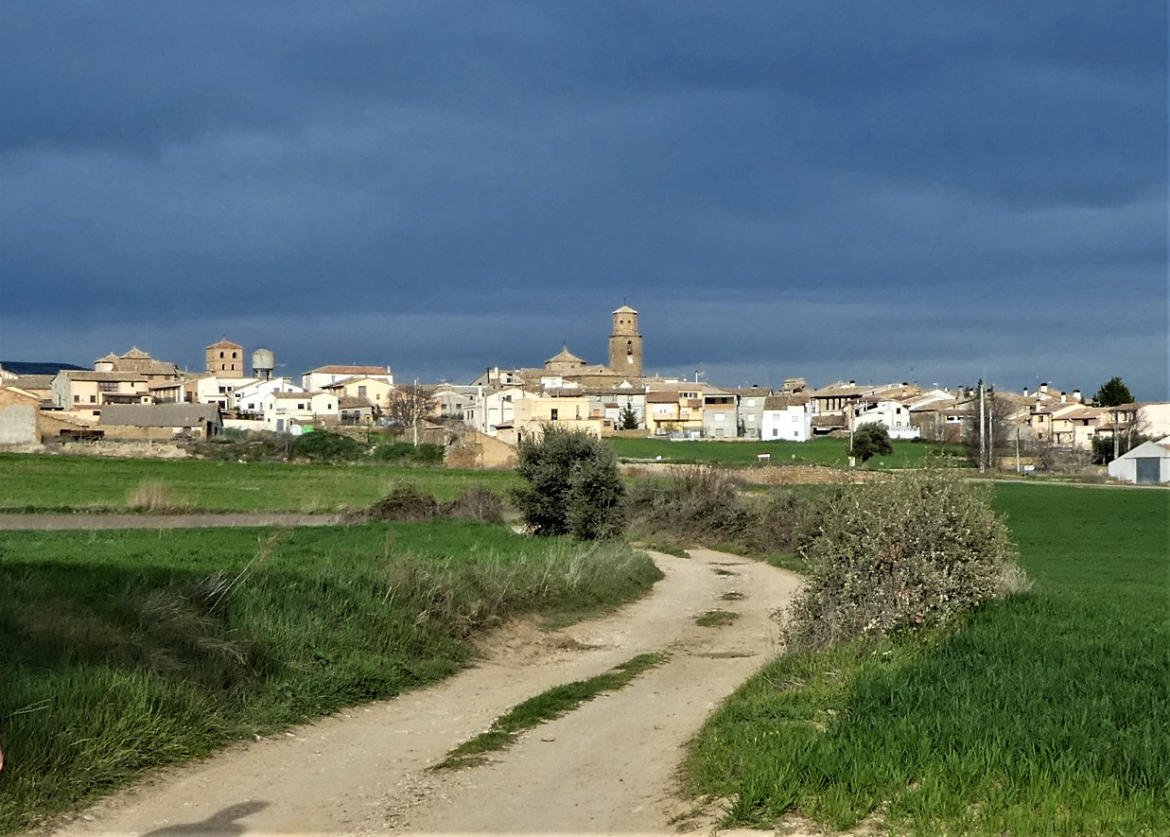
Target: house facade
{"x": 893, "y": 414}
{"x": 675, "y": 411}
{"x": 286, "y": 412}
{"x": 720, "y": 420}
{"x": 323, "y": 376}
{"x": 785, "y": 418}
{"x": 375, "y": 390}
{"x": 249, "y": 400}
{"x": 160, "y": 422}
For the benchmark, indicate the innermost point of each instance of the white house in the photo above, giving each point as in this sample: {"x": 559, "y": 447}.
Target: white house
{"x": 323, "y": 376}
{"x": 1147, "y": 464}
{"x": 219, "y": 390}
{"x": 1154, "y": 419}
{"x": 249, "y": 399}
{"x": 498, "y": 408}
{"x": 785, "y": 419}
{"x": 893, "y": 414}
{"x": 282, "y": 410}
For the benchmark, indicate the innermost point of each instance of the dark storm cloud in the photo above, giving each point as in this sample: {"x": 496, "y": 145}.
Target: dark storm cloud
{"x": 450, "y": 185}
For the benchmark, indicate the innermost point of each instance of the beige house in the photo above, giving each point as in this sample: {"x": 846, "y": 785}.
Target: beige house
{"x": 675, "y": 410}
{"x": 86, "y": 391}
{"x": 533, "y": 413}
{"x": 139, "y": 362}
{"x": 323, "y": 376}
{"x": 376, "y": 391}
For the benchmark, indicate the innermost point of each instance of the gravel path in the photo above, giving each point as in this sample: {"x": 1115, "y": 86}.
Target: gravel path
{"x": 609, "y": 766}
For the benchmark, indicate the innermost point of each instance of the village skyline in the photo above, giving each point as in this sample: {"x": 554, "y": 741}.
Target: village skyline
{"x": 935, "y": 192}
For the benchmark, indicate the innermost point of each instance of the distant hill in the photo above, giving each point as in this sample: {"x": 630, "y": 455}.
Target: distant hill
{"x": 20, "y": 367}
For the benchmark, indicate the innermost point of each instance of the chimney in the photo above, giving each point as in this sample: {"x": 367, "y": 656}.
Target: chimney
{"x": 1044, "y": 388}
{"x": 1076, "y": 395}
{"x": 1025, "y": 392}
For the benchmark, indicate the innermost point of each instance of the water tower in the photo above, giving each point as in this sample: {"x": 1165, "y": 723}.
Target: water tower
{"x": 263, "y": 362}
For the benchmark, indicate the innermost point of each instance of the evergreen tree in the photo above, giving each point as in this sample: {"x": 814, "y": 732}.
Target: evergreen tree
{"x": 1113, "y": 392}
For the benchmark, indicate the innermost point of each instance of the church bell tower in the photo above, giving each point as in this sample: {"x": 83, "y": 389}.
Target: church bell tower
{"x": 625, "y": 343}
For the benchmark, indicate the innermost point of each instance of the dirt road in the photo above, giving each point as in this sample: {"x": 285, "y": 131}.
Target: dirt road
{"x": 609, "y": 766}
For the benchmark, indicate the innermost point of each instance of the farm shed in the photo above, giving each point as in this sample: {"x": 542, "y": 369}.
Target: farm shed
{"x": 1147, "y": 464}
{"x": 160, "y": 421}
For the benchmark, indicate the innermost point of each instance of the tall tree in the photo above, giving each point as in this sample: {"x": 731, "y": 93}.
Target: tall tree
{"x": 1113, "y": 392}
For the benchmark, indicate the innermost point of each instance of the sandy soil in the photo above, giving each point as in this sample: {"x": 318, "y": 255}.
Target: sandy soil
{"x": 608, "y": 767}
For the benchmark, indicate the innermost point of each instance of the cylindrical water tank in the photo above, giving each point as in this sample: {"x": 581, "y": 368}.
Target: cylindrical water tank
{"x": 263, "y": 362}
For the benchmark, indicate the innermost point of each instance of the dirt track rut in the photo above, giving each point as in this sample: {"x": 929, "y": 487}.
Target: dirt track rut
{"x": 608, "y": 767}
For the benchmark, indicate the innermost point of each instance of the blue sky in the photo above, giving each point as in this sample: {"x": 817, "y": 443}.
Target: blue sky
{"x": 931, "y": 191}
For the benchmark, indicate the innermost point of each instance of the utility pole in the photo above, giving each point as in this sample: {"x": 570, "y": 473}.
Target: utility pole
{"x": 982, "y": 431}
{"x": 1116, "y": 442}
{"x": 1017, "y": 449}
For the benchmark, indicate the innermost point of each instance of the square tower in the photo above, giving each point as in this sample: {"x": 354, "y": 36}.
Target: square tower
{"x": 226, "y": 359}
{"x": 625, "y": 343}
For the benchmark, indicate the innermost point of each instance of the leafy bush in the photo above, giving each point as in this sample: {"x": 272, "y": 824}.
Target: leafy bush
{"x": 597, "y": 508}
{"x": 406, "y": 502}
{"x": 571, "y": 485}
{"x": 699, "y": 503}
{"x": 870, "y": 440}
{"x": 900, "y": 556}
{"x": 321, "y": 446}
{"x": 702, "y": 504}
{"x": 787, "y": 523}
{"x": 476, "y": 504}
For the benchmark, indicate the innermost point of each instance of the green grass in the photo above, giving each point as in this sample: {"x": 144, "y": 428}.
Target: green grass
{"x": 664, "y": 546}
{"x": 716, "y": 618}
{"x": 123, "y": 650}
{"x": 1043, "y": 714}
{"x": 59, "y": 483}
{"x": 823, "y": 451}
{"x": 550, "y": 704}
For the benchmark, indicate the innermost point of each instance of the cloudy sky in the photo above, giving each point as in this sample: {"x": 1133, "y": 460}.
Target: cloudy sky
{"x": 931, "y": 191}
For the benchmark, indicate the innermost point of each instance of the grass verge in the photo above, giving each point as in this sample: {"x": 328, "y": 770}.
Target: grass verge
{"x": 37, "y": 482}
{"x": 716, "y": 618}
{"x": 124, "y": 650}
{"x": 546, "y": 706}
{"x": 1041, "y": 714}
{"x": 823, "y": 451}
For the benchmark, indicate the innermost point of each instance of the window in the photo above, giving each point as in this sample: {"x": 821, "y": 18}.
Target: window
{"x": 93, "y": 399}
{"x": 362, "y": 391}
{"x": 76, "y": 399}
{"x": 221, "y": 357}
{"x": 108, "y": 386}
{"x": 552, "y": 414}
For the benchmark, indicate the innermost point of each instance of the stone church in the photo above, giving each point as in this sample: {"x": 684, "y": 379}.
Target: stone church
{"x": 566, "y": 370}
